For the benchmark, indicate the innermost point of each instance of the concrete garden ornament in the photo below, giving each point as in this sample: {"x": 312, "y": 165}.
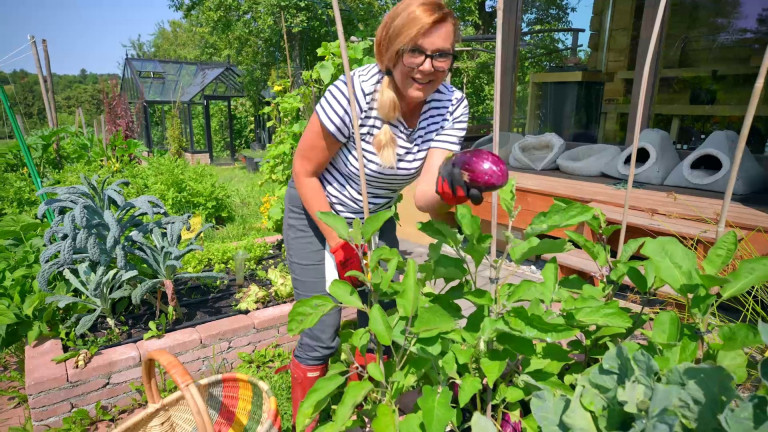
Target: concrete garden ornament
{"x": 587, "y": 160}
{"x": 709, "y": 167}
{"x": 656, "y": 158}
{"x": 538, "y": 152}
{"x": 506, "y": 141}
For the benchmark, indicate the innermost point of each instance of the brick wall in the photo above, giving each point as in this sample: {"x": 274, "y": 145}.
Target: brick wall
{"x": 55, "y": 390}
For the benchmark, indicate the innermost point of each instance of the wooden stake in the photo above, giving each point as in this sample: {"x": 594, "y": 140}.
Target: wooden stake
{"x": 497, "y": 77}
{"x": 287, "y": 54}
{"x": 757, "y": 90}
{"x": 103, "y": 132}
{"x": 96, "y": 127}
{"x": 21, "y": 124}
{"x": 40, "y": 77}
{"x": 77, "y": 115}
{"x": 636, "y": 131}
{"x": 82, "y": 118}
{"x": 352, "y": 105}
{"x": 51, "y": 99}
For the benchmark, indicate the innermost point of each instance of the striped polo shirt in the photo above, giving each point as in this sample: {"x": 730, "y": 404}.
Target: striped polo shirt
{"x": 442, "y": 124}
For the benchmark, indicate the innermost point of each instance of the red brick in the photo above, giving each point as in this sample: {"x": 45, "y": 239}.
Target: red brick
{"x": 127, "y": 375}
{"x": 269, "y": 317}
{"x": 107, "y": 361}
{"x": 67, "y": 393}
{"x": 174, "y": 342}
{"x": 226, "y": 328}
{"x": 270, "y": 239}
{"x": 282, "y": 330}
{"x": 44, "y": 427}
{"x": 254, "y": 338}
{"x": 41, "y": 372}
{"x": 203, "y": 352}
{"x": 102, "y": 395}
{"x": 43, "y": 414}
{"x": 286, "y": 339}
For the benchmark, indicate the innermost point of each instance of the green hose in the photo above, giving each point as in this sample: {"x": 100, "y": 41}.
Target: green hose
{"x": 25, "y": 151}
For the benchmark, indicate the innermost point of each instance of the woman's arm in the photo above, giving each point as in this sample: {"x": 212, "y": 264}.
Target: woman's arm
{"x": 425, "y": 197}
{"x": 315, "y": 150}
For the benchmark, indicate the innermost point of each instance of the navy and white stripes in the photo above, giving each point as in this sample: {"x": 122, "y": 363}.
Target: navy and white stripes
{"x": 442, "y": 124}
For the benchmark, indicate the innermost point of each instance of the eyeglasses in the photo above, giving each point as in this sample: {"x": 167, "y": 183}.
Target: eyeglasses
{"x": 413, "y": 58}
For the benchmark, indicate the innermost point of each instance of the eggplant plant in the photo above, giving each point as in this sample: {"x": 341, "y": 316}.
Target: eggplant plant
{"x": 90, "y": 223}
{"x": 160, "y": 248}
{"x": 99, "y": 290}
{"x": 559, "y": 354}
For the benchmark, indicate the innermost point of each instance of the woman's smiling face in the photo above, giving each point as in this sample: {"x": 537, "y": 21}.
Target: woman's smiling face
{"x": 417, "y": 84}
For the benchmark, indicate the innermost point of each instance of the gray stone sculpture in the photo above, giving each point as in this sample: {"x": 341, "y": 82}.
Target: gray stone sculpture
{"x": 538, "y": 152}
{"x": 506, "y": 141}
{"x": 656, "y": 158}
{"x": 587, "y": 160}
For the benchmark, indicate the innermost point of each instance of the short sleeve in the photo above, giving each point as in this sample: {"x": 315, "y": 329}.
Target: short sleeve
{"x": 452, "y": 135}
{"x": 333, "y": 110}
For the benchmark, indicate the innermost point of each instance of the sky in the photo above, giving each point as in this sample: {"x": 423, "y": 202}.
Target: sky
{"x": 80, "y": 33}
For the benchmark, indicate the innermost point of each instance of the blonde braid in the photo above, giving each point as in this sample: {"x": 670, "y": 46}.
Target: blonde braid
{"x": 385, "y": 142}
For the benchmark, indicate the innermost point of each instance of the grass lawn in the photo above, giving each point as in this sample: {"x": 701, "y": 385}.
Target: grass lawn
{"x": 247, "y": 221}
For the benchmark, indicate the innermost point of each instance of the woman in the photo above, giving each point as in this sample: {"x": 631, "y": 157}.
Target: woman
{"x": 410, "y": 122}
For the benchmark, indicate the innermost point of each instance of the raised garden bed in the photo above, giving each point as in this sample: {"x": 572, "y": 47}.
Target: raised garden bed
{"x": 54, "y": 390}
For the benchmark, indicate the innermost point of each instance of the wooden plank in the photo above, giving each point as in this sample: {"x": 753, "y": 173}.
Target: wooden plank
{"x": 700, "y": 110}
{"x": 577, "y": 76}
{"x": 697, "y": 71}
{"x": 511, "y": 23}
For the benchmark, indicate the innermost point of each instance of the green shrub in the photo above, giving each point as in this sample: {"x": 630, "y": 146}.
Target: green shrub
{"x": 261, "y": 364}
{"x": 18, "y": 195}
{"x": 220, "y": 256}
{"x": 183, "y": 188}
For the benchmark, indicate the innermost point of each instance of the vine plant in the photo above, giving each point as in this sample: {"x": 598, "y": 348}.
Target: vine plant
{"x": 557, "y": 354}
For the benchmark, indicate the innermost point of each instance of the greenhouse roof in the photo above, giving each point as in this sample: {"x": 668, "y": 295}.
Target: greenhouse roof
{"x": 171, "y": 81}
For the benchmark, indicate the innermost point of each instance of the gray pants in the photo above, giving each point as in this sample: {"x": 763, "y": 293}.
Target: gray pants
{"x": 312, "y": 269}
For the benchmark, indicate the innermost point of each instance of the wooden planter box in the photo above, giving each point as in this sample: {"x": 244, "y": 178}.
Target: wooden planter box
{"x": 55, "y": 390}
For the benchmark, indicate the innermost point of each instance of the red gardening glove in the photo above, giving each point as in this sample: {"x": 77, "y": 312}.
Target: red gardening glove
{"x": 347, "y": 259}
{"x": 452, "y": 187}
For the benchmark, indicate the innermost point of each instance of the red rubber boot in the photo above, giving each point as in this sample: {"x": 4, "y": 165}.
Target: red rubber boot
{"x": 302, "y": 379}
{"x": 362, "y": 361}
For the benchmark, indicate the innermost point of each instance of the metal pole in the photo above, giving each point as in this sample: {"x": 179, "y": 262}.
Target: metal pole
{"x": 636, "y": 132}
{"x": 40, "y": 77}
{"x": 352, "y": 105}
{"x": 757, "y": 90}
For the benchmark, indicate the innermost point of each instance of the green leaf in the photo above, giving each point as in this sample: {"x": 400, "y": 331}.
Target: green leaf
{"x": 492, "y": 369}
{"x": 594, "y": 250}
{"x": 436, "y": 408}
{"x": 762, "y": 369}
{"x": 66, "y": 356}
{"x": 317, "y": 398}
{"x": 534, "y": 246}
{"x": 408, "y": 297}
{"x": 507, "y": 197}
{"x": 762, "y": 327}
{"x": 374, "y": 223}
{"x": 412, "y": 422}
{"x": 469, "y": 223}
{"x": 562, "y": 214}
{"x": 345, "y": 294}
{"x": 469, "y": 386}
{"x": 449, "y": 268}
{"x": 535, "y": 326}
{"x": 432, "y": 320}
{"x": 735, "y": 362}
{"x": 738, "y": 336}
{"x": 307, "y": 312}
{"x": 479, "y": 297}
{"x": 325, "y": 68}
{"x": 374, "y": 370}
{"x": 548, "y": 410}
{"x": 749, "y": 415}
{"x": 630, "y": 248}
{"x": 354, "y": 394}
{"x": 481, "y": 423}
{"x": 666, "y": 327}
{"x": 337, "y": 223}
{"x": 751, "y": 272}
{"x": 440, "y": 231}
{"x": 721, "y": 253}
{"x": 576, "y": 418}
{"x": 380, "y": 326}
{"x": 386, "y": 419}
{"x": 674, "y": 263}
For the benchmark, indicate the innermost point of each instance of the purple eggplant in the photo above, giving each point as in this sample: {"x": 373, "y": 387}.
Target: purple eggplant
{"x": 482, "y": 170}
{"x": 507, "y": 425}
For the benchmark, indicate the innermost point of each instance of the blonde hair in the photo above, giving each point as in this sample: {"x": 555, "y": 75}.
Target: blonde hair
{"x": 401, "y": 27}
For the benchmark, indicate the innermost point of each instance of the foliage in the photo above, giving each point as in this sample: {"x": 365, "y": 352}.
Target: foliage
{"x": 164, "y": 321}
{"x": 118, "y": 115}
{"x": 24, "y": 315}
{"x": 280, "y": 277}
{"x": 183, "y": 188}
{"x": 175, "y": 141}
{"x": 18, "y": 198}
{"x": 80, "y": 419}
{"x": 567, "y": 358}
{"x": 77, "y": 343}
{"x": 90, "y": 224}
{"x": 158, "y": 246}
{"x": 251, "y": 298}
{"x": 261, "y": 364}
{"x": 220, "y": 256}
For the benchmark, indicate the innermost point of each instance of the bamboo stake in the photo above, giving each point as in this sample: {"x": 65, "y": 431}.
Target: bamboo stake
{"x": 352, "y": 105}
{"x": 496, "y": 119}
{"x": 77, "y": 117}
{"x": 287, "y": 54}
{"x": 757, "y": 90}
{"x": 40, "y": 77}
{"x": 82, "y": 118}
{"x": 638, "y": 118}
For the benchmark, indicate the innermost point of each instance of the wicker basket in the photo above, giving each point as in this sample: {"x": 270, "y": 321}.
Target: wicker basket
{"x": 228, "y": 402}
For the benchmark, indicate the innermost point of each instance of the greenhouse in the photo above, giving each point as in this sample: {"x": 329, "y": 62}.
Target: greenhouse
{"x": 188, "y": 90}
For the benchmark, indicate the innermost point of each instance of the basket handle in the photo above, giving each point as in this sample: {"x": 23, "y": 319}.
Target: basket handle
{"x": 184, "y": 382}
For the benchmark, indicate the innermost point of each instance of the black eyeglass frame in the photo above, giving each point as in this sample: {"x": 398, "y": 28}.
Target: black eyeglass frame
{"x": 432, "y": 56}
